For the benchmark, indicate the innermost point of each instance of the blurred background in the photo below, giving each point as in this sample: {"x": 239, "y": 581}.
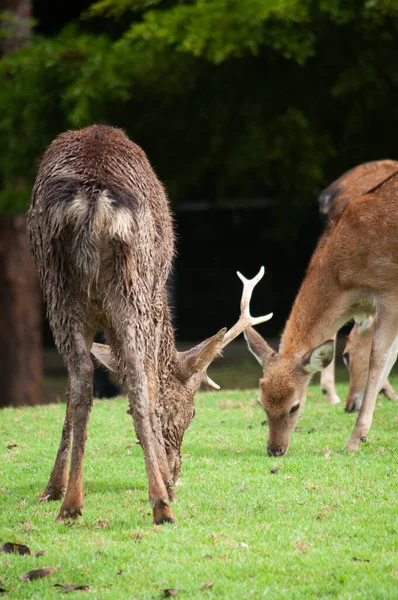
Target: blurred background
{"x": 247, "y": 110}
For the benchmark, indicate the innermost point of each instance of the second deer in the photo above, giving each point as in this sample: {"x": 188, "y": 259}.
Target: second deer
{"x": 353, "y": 273}
{"x": 332, "y": 202}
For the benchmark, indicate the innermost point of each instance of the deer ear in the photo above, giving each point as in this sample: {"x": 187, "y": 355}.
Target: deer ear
{"x": 319, "y": 358}
{"x": 103, "y": 354}
{"x": 198, "y": 358}
{"x": 258, "y": 346}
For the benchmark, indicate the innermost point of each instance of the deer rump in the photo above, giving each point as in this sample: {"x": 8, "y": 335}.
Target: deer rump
{"x": 94, "y": 228}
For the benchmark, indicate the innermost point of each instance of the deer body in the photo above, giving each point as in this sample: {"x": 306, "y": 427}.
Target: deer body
{"x": 102, "y": 237}
{"x": 101, "y": 233}
{"x": 352, "y": 274}
{"x": 332, "y": 202}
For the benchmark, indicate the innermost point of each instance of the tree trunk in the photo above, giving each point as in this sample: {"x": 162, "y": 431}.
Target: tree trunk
{"x": 20, "y": 299}
{"x": 17, "y": 17}
{"x": 20, "y": 317}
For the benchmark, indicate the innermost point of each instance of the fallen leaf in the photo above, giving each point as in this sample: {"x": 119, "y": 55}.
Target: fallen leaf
{"x": 11, "y": 547}
{"x": 170, "y": 592}
{"x": 12, "y": 445}
{"x": 322, "y": 516}
{"x": 244, "y": 545}
{"x": 71, "y": 587}
{"x": 360, "y": 559}
{"x": 120, "y": 572}
{"x": 274, "y": 470}
{"x": 298, "y": 429}
{"x": 40, "y": 553}
{"x": 208, "y": 584}
{"x": 37, "y": 574}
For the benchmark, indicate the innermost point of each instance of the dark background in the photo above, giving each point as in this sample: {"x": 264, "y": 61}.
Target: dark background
{"x": 244, "y": 137}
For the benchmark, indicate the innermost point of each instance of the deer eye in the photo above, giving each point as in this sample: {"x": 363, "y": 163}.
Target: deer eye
{"x": 346, "y": 359}
{"x": 294, "y": 408}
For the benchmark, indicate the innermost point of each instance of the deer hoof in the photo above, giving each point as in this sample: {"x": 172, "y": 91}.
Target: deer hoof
{"x": 364, "y": 439}
{"x": 353, "y": 445}
{"x": 331, "y": 397}
{"x": 69, "y": 513}
{"x": 163, "y": 514}
{"x": 52, "y": 494}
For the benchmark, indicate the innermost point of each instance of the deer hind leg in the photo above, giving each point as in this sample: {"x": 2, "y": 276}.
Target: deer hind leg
{"x": 383, "y": 356}
{"x": 328, "y": 381}
{"x": 80, "y": 369}
{"x": 150, "y": 436}
{"x": 388, "y": 391}
{"x": 57, "y": 484}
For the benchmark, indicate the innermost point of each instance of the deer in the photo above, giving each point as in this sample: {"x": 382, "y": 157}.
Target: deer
{"x": 352, "y": 274}
{"x": 332, "y": 202}
{"x": 101, "y": 233}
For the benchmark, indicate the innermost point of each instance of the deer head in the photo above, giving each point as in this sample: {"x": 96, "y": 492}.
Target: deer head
{"x": 283, "y": 386}
{"x": 188, "y": 370}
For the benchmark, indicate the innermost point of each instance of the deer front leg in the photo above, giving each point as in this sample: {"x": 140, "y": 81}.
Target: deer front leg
{"x": 328, "y": 381}
{"x": 58, "y": 481}
{"x": 156, "y": 465}
{"x": 383, "y": 356}
{"x": 81, "y": 400}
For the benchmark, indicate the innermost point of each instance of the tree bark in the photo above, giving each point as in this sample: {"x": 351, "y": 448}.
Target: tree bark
{"x": 20, "y": 317}
{"x": 20, "y": 299}
{"x": 17, "y": 19}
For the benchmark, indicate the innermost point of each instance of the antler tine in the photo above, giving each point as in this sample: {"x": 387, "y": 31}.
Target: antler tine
{"x": 245, "y": 319}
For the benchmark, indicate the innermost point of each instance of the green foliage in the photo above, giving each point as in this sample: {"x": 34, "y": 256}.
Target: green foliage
{"x": 229, "y": 99}
{"x": 323, "y": 525}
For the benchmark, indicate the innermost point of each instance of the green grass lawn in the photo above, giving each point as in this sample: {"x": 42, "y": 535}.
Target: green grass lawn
{"x": 324, "y": 525}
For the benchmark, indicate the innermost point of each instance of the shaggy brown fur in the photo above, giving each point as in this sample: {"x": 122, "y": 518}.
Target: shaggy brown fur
{"x": 101, "y": 232}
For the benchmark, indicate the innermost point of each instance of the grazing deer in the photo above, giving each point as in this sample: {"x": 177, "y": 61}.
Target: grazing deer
{"x": 332, "y": 202}
{"x": 101, "y": 233}
{"x": 353, "y": 273}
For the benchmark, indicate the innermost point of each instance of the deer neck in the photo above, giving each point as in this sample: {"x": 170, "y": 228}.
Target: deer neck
{"x": 319, "y": 310}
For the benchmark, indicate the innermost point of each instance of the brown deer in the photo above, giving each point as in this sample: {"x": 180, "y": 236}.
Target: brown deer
{"x": 353, "y": 273}
{"x": 332, "y": 202}
{"x": 102, "y": 237}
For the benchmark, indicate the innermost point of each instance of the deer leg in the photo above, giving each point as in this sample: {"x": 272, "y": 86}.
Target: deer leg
{"x": 164, "y": 464}
{"x": 56, "y": 486}
{"x": 382, "y": 358}
{"x": 388, "y": 391}
{"x": 138, "y": 394}
{"x": 328, "y": 381}
{"x": 80, "y": 401}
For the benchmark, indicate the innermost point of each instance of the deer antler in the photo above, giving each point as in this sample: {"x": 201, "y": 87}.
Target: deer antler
{"x": 245, "y": 319}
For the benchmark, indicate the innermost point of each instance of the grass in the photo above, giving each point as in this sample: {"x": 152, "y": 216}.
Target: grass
{"x": 323, "y": 526}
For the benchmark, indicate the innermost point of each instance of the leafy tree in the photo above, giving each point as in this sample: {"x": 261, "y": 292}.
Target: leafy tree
{"x": 229, "y": 99}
